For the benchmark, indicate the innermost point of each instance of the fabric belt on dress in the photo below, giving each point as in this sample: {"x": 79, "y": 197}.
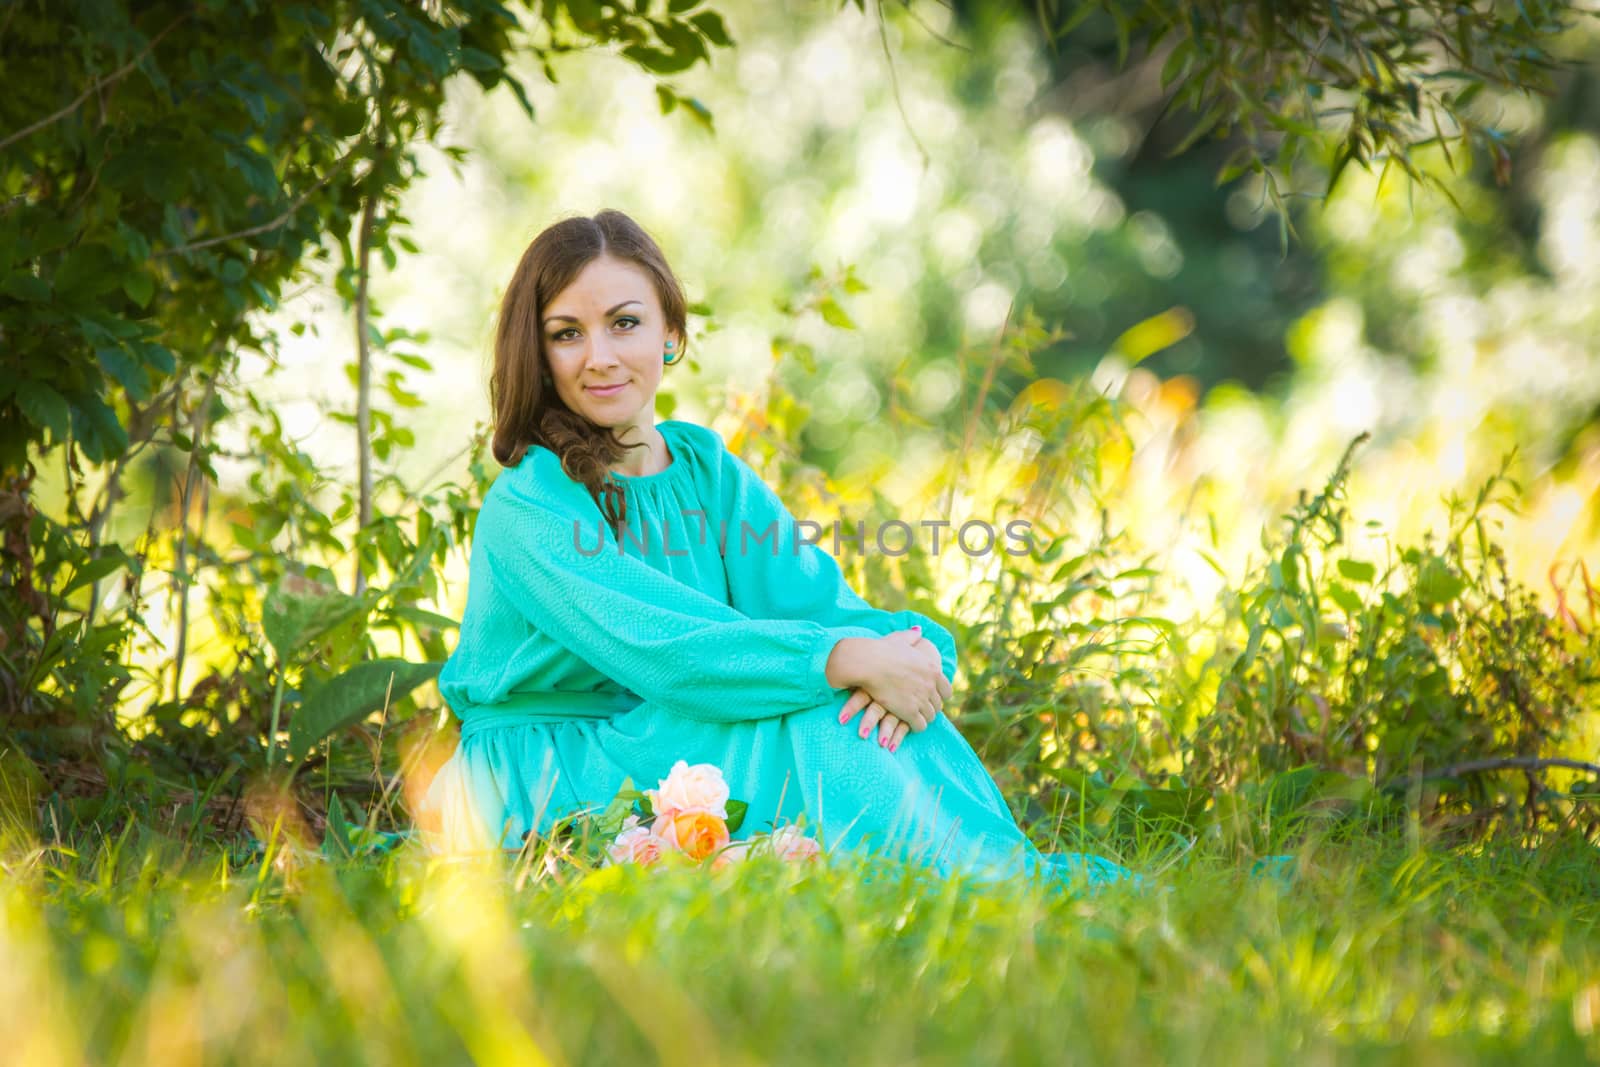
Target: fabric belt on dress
{"x": 544, "y": 706}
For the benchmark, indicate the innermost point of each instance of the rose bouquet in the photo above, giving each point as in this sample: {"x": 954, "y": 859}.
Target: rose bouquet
{"x": 690, "y": 814}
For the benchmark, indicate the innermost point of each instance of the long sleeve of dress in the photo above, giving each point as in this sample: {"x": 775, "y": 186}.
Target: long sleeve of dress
{"x": 770, "y": 578}
{"x": 661, "y": 639}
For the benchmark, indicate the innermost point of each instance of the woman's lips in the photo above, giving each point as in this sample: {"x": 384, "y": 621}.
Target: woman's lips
{"x": 607, "y": 390}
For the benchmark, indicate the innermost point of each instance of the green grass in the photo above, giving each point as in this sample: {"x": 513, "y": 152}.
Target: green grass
{"x": 142, "y": 950}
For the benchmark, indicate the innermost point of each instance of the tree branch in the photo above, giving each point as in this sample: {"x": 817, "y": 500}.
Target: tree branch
{"x": 199, "y": 426}
{"x": 100, "y": 83}
{"x": 369, "y": 212}
{"x": 264, "y": 227}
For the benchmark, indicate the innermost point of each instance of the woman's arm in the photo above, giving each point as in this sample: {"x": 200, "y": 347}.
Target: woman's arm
{"x": 774, "y": 579}
{"x": 659, "y": 638}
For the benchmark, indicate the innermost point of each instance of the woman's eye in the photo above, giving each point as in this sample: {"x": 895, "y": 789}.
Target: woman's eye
{"x": 562, "y": 334}
{"x": 628, "y": 319}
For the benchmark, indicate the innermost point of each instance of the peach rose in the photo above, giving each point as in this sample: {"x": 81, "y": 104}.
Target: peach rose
{"x": 697, "y": 834}
{"x": 791, "y": 843}
{"x": 685, "y": 788}
{"x": 637, "y": 844}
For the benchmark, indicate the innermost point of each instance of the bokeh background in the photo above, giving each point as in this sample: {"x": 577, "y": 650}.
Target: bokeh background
{"x": 961, "y": 170}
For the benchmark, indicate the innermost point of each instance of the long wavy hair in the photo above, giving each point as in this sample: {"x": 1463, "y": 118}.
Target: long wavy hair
{"x": 527, "y": 410}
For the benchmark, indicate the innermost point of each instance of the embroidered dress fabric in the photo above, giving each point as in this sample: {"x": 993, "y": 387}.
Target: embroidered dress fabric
{"x": 702, "y": 635}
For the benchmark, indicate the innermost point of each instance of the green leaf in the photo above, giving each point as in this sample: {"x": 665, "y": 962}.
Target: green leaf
{"x": 659, "y": 62}
{"x": 1123, "y": 26}
{"x": 158, "y": 356}
{"x": 139, "y": 286}
{"x": 1346, "y": 599}
{"x": 97, "y": 428}
{"x": 1178, "y": 62}
{"x": 87, "y": 271}
{"x": 478, "y": 59}
{"x": 702, "y": 115}
{"x": 736, "y": 813}
{"x": 710, "y": 24}
{"x": 834, "y": 315}
{"x": 610, "y": 821}
{"x": 351, "y": 697}
{"x": 336, "y": 841}
{"x": 125, "y": 369}
{"x": 1136, "y": 572}
{"x": 682, "y": 39}
{"x": 96, "y": 569}
{"x": 1155, "y": 622}
{"x": 1357, "y": 571}
{"x": 43, "y": 406}
{"x": 1437, "y": 583}
{"x": 297, "y": 611}
{"x": 1243, "y": 159}
{"x": 24, "y": 286}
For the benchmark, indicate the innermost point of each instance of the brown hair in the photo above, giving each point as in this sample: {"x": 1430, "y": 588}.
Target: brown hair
{"x": 527, "y": 410}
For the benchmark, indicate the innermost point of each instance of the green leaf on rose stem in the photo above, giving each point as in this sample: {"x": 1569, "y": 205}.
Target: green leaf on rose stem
{"x": 736, "y": 814}
{"x": 616, "y": 813}
{"x": 645, "y": 810}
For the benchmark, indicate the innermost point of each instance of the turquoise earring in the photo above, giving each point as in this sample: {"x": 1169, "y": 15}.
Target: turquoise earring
{"x": 666, "y": 357}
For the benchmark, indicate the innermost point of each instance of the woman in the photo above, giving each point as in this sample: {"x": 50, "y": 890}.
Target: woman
{"x": 637, "y": 597}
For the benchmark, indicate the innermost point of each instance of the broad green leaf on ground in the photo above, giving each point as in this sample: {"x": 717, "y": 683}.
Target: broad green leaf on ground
{"x": 351, "y": 697}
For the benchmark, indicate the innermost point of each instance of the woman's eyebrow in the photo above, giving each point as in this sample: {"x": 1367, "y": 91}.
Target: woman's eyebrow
{"x": 569, "y": 318}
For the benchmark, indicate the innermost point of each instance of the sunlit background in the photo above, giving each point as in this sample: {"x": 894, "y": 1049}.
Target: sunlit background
{"x": 963, "y": 180}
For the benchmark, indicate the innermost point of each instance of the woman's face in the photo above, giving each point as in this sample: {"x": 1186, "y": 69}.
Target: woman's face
{"x": 607, "y": 329}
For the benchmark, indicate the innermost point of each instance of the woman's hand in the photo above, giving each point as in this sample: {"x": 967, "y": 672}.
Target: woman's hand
{"x": 901, "y": 689}
{"x": 891, "y": 729}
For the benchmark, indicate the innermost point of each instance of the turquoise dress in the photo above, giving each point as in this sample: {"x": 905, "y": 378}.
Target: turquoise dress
{"x": 703, "y": 635}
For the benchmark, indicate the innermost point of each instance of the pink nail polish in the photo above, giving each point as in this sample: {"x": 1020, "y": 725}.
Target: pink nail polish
{"x": 895, "y": 747}
{"x": 844, "y": 717}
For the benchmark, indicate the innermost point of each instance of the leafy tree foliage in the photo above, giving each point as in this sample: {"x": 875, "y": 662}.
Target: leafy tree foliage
{"x": 168, "y": 171}
{"x": 1338, "y": 83}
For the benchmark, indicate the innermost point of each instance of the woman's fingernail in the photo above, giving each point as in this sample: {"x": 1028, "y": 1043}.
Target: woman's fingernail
{"x": 844, "y": 716}
{"x": 895, "y": 747}
{"x": 917, "y": 629}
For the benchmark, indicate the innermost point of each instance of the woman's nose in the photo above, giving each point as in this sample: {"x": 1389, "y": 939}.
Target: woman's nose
{"x": 600, "y": 353}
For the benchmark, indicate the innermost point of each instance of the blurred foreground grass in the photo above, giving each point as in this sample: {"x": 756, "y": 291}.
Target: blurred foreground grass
{"x": 1383, "y": 949}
